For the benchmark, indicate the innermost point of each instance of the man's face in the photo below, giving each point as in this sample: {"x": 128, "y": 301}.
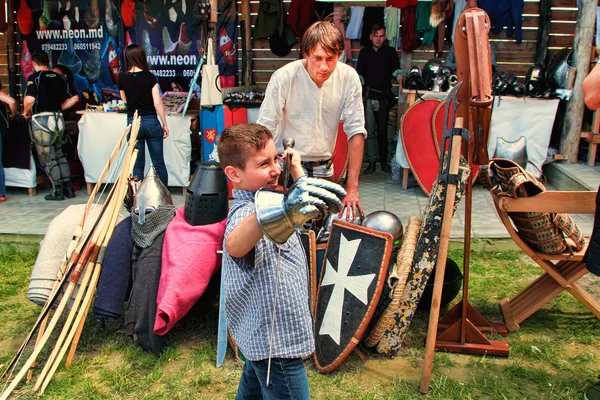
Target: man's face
{"x": 320, "y": 65}
{"x": 262, "y": 169}
{"x": 378, "y": 38}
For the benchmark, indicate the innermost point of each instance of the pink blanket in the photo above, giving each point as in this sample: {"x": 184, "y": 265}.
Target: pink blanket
{"x": 189, "y": 260}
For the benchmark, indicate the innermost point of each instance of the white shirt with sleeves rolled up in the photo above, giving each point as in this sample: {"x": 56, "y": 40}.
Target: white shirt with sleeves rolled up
{"x": 295, "y": 107}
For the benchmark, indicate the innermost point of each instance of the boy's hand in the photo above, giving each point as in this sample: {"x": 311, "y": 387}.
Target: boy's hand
{"x": 296, "y": 163}
{"x": 309, "y": 197}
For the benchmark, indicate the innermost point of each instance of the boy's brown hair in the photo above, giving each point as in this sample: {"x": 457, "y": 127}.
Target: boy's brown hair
{"x": 324, "y": 33}
{"x": 236, "y": 141}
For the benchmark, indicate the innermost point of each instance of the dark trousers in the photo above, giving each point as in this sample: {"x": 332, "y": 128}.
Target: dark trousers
{"x": 592, "y": 256}
{"x": 288, "y": 380}
{"x": 377, "y": 114}
{"x": 151, "y": 134}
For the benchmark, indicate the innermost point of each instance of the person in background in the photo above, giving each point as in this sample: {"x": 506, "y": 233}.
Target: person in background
{"x": 5, "y": 100}
{"x": 66, "y": 72}
{"x": 46, "y": 95}
{"x": 377, "y": 65}
{"x": 591, "y": 95}
{"x": 306, "y": 99}
{"x": 140, "y": 91}
{"x": 179, "y": 84}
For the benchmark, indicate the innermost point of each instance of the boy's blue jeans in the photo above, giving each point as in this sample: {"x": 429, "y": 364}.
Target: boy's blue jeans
{"x": 288, "y": 380}
{"x": 151, "y": 134}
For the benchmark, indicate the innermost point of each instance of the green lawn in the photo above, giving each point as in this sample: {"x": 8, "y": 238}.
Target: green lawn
{"x": 553, "y": 356}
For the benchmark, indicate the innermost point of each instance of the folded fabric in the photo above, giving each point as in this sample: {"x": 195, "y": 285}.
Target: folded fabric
{"x": 189, "y": 260}
{"x": 53, "y": 249}
{"x": 116, "y": 273}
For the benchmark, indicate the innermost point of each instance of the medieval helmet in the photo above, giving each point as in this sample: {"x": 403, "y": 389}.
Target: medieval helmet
{"x": 413, "y": 79}
{"x": 431, "y": 69}
{"x": 206, "y": 198}
{"x": 519, "y": 90}
{"x": 151, "y": 194}
{"x": 535, "y": 82}
{"x": 385, "y": 221}
{"x": 560, "y": 73}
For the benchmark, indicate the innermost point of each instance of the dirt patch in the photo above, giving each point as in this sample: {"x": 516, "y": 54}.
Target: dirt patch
{"x": 591, "y": 284}
{"x": 10, "y": 345}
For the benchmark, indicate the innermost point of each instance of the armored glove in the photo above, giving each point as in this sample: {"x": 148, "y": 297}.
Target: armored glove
{"x": 279, "y": 214}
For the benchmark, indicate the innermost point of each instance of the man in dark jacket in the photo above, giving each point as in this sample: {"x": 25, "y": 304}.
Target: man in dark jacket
{"x": 377, "y": 64}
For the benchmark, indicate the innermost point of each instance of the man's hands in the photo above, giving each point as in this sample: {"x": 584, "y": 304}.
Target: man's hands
{"x": 351, "y": 205}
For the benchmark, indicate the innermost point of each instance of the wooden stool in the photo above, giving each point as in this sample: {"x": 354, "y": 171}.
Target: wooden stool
{"x": 593, "y": 138}
{"x": 563, "y": 274}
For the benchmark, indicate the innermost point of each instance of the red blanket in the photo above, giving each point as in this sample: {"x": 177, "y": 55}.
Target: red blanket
{"x": 189, "y": 260}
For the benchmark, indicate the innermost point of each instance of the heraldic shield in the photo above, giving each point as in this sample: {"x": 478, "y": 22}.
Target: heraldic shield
{"x": 354, "y": 272}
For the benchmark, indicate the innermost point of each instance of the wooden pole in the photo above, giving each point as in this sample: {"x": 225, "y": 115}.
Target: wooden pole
{"x": 247, "y": 40}
{"x": 543, "y": 33}
{"x": 11, "y": 44}
{"x": 582, "y": 47}
{"x": 440, "y": 266}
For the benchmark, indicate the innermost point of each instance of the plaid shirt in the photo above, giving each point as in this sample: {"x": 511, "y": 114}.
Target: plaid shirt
{"x": 250, "y": 287}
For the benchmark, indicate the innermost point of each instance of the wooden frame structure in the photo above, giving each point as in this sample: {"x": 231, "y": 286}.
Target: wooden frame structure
{"x": 561, "y": 271}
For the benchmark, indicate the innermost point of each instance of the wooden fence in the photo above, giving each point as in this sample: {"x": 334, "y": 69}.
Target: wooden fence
{"x": 511, "y": 57}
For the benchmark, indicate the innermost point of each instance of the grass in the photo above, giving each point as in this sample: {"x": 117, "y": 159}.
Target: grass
{"x": 554, "y": 355}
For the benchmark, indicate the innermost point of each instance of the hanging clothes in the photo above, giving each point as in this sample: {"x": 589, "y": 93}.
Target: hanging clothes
{"x": 409, "y": 39}
{"x": 423, "y": 28}
{"x": 507, "y": 13}
{"x": 392, "y": 26}
{"x": 373, "y": 15}
{"x": 356, "y": 22}
{"x": 459, "y": 7}
{"x": 401, "y": 3}
{"x": 267, "y": 20}
{"x": 300, "y": 18}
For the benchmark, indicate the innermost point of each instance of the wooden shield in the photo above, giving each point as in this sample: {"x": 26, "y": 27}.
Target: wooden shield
{"x": 438, "y": 133}
{"x": 354, "y": 272}
{"x": 417, "y": 140}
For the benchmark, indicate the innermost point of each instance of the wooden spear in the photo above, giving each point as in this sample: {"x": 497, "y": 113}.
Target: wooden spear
{"x": 77, "y": 234}
{"x": 90, "y": 252}
{"x": 121, "y": 186}
{"x": 77, "y": 326}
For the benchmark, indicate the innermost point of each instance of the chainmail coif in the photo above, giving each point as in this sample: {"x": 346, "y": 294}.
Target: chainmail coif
{"x": 156, "y": 223}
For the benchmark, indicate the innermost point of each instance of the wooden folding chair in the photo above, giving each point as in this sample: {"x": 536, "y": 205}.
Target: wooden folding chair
{"x": 561, "y": 270}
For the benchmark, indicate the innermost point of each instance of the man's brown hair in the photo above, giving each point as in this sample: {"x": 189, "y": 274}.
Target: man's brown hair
{"x": 377, "y": 27}
{"x": 236, "y": 141}
{"x": 324, "y": 33}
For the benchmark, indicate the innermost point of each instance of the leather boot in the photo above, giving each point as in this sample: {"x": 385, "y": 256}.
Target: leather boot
{"x": 370, "y": 169}
{"x": 386, "y": 168}
{"x": 68, "y": 190}
{"x": 56, "y": 194}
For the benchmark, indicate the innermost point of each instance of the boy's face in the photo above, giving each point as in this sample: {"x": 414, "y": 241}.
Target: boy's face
{"x": 262, "y": 170}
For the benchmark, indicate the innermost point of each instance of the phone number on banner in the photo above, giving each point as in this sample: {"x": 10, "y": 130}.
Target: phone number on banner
{"x": 87, "y": 46}
{"x": 170, "y": 73}
{"x": 54, "y": 46}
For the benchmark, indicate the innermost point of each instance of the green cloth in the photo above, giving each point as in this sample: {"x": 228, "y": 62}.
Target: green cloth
{"x": 268, "y": 18}
{"x": 423, "y": 28}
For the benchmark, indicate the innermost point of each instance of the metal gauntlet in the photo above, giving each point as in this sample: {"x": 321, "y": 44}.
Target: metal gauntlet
{"x": 279, "y": 214}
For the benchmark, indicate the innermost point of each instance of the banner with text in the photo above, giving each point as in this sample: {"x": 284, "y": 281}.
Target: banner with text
{"x": 85, "y": 36}
{"x": 171, "y": 35}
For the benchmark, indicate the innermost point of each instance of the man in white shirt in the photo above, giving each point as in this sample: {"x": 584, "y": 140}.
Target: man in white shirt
{"x": 306, "y": 99}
